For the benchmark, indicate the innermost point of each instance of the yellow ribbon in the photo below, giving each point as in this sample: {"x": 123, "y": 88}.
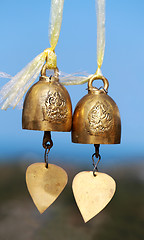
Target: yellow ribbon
{"x": 55, "y": 26}
{"x": 100, "y": 9}
{"x": 51, "y": 58}
{"x": 56, "y": 20}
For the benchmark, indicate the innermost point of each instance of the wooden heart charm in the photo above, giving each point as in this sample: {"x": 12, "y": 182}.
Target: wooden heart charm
{"x": 45, "y": 184}
{"x": 92, "y": 193}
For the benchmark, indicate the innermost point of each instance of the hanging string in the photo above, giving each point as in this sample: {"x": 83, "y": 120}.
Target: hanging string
{"x": 12, "y": 92}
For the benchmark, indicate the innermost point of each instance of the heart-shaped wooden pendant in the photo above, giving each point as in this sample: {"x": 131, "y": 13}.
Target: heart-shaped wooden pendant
{"x": 92, "y": 193}
{"x": 45, "y": 184}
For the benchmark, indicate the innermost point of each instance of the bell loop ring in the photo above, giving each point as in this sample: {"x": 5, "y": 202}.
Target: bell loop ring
{"x": 45, "y": 67}
{"x": 103, "y": 89}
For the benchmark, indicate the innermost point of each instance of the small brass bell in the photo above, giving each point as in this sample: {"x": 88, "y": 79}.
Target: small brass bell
{"x": 96, "y": 118}
{"x": 47, "y": 105}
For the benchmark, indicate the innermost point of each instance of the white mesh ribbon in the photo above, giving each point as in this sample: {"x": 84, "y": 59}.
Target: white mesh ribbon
{"x": 4, "y": 75}
{"x": 100, "y": 9}
{"x": 74, "y": 78}
{"x": 12, "y": 92}
{"x": 55, "y": 21}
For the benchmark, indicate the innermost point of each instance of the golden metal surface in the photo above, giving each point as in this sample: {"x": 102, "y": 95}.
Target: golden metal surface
{"x": 96, "y": 118}
{"x": 45, "y": 184}
{"x": 92, "y": 194}
{"x": 47, "y": 105}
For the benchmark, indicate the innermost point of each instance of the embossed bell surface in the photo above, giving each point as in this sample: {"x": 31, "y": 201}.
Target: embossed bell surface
{"x": 96, "y": 118}
{"x": 47, "y": 107}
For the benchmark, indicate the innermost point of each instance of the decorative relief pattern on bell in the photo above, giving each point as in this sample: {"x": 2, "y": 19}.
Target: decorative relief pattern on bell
{"x": 100, "y": 118}
{"x": 55, "y": 109}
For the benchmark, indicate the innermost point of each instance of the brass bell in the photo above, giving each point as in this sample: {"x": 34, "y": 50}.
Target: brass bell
{"x": 47, "y": 105}
{"x": 96, "y": 118}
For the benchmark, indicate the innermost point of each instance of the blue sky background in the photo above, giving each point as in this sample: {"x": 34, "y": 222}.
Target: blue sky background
{"x": 24, "y": 34}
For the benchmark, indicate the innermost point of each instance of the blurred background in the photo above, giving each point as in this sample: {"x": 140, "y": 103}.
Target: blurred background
{"x": 24, "y": 34}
